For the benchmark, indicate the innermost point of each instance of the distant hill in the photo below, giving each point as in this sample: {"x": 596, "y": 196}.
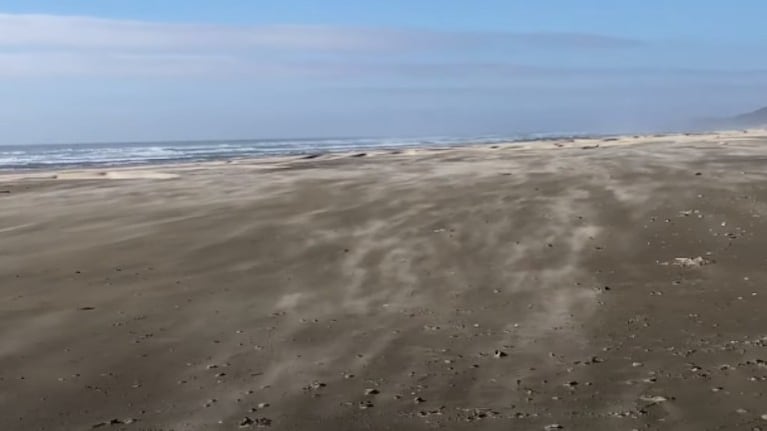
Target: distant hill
{"x": 756, "y": 118}
{"x": 752, "y": 119}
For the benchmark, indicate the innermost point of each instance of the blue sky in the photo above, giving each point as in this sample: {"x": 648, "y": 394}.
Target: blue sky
{"x": 109, "y": 70}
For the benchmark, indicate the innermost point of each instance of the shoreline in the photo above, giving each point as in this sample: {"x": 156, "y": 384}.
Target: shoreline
{"x": 114, "y": 171}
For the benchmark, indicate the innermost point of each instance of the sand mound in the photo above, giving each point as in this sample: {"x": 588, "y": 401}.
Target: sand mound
{"x": 116, "y": 175}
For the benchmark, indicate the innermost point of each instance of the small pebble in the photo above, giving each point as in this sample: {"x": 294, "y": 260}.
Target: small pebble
{"x": 315, "y": 386}
{"x": 654, "y": 400}
{"x": 263, "y": 422}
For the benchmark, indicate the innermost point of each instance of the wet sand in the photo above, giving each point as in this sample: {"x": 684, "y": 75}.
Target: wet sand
{"x": 584, "y": 285}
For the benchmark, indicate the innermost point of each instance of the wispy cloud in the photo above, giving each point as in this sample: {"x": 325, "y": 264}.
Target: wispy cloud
{"x": 48, "y": 31}
{"x": 87, "y": 32}
{"x": 43, "y": 45}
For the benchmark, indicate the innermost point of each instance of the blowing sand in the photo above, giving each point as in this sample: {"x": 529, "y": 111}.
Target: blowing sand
{"x": 583, "y": 285}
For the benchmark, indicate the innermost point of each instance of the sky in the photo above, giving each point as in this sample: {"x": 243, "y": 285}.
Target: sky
{"x": 116, "y": 70}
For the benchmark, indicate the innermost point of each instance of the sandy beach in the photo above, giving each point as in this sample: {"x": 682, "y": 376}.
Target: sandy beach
{"x": 604, "y": 284}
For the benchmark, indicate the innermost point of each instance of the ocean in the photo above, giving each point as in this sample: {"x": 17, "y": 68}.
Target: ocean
{"x": 59, "y": 156}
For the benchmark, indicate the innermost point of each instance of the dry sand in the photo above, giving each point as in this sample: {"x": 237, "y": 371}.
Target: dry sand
{"x": 579, "y": 285}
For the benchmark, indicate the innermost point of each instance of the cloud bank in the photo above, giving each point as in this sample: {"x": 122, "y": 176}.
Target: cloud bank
{"x": 48, "y": 45}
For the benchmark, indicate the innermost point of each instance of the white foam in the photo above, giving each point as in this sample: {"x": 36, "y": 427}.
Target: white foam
{"x": 64, "y": 156}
